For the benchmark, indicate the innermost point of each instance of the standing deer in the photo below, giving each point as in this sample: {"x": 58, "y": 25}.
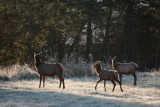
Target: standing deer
{"x": 48, "y": 70}
{"x": 125, "y": 68}
{"x": 106, "y": 75}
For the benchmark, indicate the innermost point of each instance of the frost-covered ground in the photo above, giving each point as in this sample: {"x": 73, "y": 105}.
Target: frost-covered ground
{"x": 80, "y": 92}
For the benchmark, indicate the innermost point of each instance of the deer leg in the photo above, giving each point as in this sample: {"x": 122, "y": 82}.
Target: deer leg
{"x": 97, "y": 83}
{"x": 43, "y": 80}
{"x": 119, "y": 84}
{"x": 60, "y": 84}
{"x": 63, "y": 83}
{"x": 113, "y": 84}
{"x": 135, "y": 78}
{"x": 40, "y": 80}
{"x": 61, "y": 79}
{"x": 104, "y": 85}
{"x": 120, "y": 78}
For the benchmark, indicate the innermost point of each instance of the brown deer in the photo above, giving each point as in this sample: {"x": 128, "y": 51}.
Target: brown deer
{"x": 125, "y": 68}
{"x": 106, "y": 75}
{"x": 48, "y": 70}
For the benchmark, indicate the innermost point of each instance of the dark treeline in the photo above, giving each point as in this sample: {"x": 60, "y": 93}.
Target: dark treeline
{"x": 129, "y": 29}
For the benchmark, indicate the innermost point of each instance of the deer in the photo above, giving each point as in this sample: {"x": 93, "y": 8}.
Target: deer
{"x": 44, "y": 69}
{"x": 106, "y": 75}
{"x": 125, "y": 68}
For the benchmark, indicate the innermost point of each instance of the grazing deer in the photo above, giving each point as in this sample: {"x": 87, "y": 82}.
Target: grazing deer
{"x": 125, "y": 68}
{"x": 48, "y": 70}
{"x": 106, "y": 75}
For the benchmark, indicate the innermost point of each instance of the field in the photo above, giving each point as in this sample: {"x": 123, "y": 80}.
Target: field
{"x": 80, "y": 92}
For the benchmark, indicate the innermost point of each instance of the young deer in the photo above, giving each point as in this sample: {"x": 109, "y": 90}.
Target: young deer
{"x": 106, "y": 75}
{"x": 48, "y": 70}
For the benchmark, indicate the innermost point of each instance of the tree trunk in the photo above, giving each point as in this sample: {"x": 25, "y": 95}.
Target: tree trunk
{"x": 75, "y": 42}
{"x": 61, "y": 46}
{"x": 128, "y": 29}
{"x": 89, "y": 39}
{"x": 76, "y": 39}
{"x": 157, "y": 54}
{"x": 106, "y": 37}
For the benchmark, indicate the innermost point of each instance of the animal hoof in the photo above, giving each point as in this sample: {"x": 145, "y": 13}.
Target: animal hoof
{"x": 122, "y": 90}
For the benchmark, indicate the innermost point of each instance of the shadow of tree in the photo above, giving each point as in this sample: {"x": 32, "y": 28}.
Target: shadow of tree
{"x": 57, "y": 99}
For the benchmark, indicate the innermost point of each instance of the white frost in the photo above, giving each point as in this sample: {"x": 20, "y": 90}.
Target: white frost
{"x": 80, "y": 92}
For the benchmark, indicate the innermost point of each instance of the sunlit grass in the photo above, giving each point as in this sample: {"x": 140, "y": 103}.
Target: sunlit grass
{"x": 80, "y": 92}
{"x": 21, "y": 89}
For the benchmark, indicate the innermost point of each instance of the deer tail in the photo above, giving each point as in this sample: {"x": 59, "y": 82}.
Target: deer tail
{"x": 61, "y": 66}
{"x": 135, "y": 65}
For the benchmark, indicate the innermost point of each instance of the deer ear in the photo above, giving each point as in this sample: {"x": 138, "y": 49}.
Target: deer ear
{"x": 99, "y": 62}
{"x": 34, "y": 53}
{"x": 40, "y": 53}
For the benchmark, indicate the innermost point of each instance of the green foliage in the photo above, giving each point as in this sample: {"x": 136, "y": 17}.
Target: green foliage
{"x": 125, "y": 28}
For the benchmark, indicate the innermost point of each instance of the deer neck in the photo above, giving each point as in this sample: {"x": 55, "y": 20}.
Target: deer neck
{"x": 114, "y": 65}
{"x": 37, "y": 62}
{"x": 98, "y": 70}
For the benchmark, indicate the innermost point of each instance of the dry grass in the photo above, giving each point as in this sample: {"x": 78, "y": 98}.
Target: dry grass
{"x": 19, "y": 87}
{"x": 80, "y": 92}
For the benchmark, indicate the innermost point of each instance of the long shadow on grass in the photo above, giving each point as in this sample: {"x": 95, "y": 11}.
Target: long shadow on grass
{"x": 54, "y": 99}
{"x": 109, "y": 95}
{"x": 128, "y": 80}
